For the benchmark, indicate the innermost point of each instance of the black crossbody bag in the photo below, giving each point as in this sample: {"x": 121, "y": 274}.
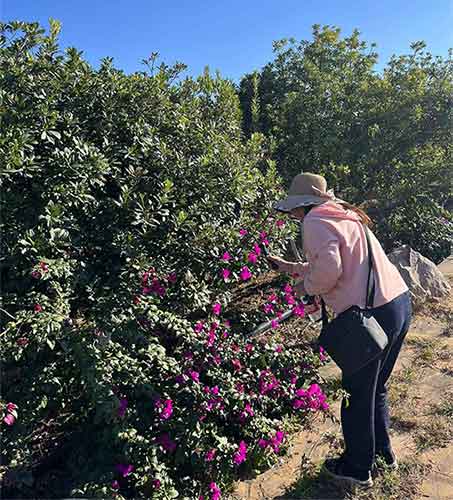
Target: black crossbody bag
{"x": 354, "y": 338}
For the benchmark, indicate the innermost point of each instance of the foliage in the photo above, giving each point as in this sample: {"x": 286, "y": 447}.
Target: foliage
{"x": 131, "y": 209}
{"x": 381, "y": 139}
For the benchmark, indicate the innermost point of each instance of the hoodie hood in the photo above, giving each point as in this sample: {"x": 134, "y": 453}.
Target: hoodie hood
{"x": 332, "y": 210}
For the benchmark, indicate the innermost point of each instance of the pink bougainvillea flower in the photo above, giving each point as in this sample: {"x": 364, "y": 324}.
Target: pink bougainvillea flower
{"x": 37, "y": 308}
{"x": 322, "y": 355}
{"x": 225, "y": 273}
{"x": 215, "y": 390}
{"x": 215, "y": 325}
{"x": 235, "y": 347}
{"x": 277, "y": 440}
{"x": 199, "y": 326}
{"x": 241, "y": 455}
{"x": 257, "y": 249}
{"x": 248, "y": 347}
{"x": 216, "y": 308}
{"x": 299, "y": 310}
{"x": 243, "y": 232}
{"x": 262, "y": 443}
{"x": 279, "y": 348}
{"x": 146, "y": 290}
{"x": 225, "y": 334}
{"x": 272, "y": 298}
{"x": 36, "y": 274}
{"x": 122, "y": 407}
{"x": 210, "y": 455}
{"x": 279, "y": 222}
{"x": 172, "y": 278}
{"x": 274, "y": 323}
{"x": 215, "y": 491}
{"x": 268, "y": 308}
{"x": 164, "y": 408}
{"x": 252, "y": 257}
{"x": 265, "y": 242}
{"x": 217, "y": 359}
{"x": 124, "y": 469}
{"x": 211, "y": 338}
{"x": 248, "y": 409}
{"x": 289, "y": 299}
{"x": 166, "y": 442}
{"x": 156, "y": 484}
{"x": 22, "y": 341}
{"x": 226, "y": 257}
{"x": 239, "y": 387}
{"x": 293, "y": 379}
{"x": 279, "y": 314}
{"x": 245, "y": 273}
{"x": 115, "y": 485}
{"x": 263, "y": 234}
{"x": 195, "y": 376}
{"x": 287, "y": 288}
{"x": 188, "y": 355}
{"x": 9, "y": 419}
{"x": 236, "y": 364}
{"x": 11, "y": 407}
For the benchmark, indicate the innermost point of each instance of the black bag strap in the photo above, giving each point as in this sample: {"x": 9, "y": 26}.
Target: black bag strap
{"x": 370, "y": 285}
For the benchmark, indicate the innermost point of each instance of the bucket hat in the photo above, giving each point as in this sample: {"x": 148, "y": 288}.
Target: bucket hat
{"x": 306, "y": 189}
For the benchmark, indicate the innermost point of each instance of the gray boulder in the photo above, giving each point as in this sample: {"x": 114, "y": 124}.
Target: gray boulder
{"x": 421, "y": 275}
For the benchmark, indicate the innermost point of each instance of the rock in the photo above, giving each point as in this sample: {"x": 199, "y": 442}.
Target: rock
{"x": 421, "y": 275}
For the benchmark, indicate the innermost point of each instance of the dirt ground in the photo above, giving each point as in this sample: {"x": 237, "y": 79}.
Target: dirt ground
{"x": 421, "y": 405}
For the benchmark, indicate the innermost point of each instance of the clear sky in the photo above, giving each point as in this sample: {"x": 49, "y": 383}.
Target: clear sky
{"x": 232, "y": 36}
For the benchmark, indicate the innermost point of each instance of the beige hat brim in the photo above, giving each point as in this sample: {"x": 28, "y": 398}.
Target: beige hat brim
{"x": 290, "y": 202}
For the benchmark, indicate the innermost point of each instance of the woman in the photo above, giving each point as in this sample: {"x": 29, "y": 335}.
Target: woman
{"x": 337, "y": 269}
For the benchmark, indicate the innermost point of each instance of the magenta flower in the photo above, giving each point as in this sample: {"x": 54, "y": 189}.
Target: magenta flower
{"x": 216, "y": 308}
{"x": 245, "y": 273}
{"x": 243, "y": 232}
{"x": 124, "y": 469}
{"x": 215, "y": 491}
{"x": 172, "y": 277}
{"x": 262, "y": 443}
{"x": 164, "y": 408}
{"x": 115, "y": 485}
{"x": 322, "y": 355}
{"x": 257, "y": 249}
{"x": 9, "y": 419}
{"x": 225, "y": 273}
{"x": 280, "y": 223}
{"x": 156, "y": 484}
{"x": 274, "y": 323}
{"x": 239, "y": 387}
{"x": 272, "y": 298}
{"x": 122, "y": 407}
{"x": 211, "y": 338}
{"x": 248, "y": 348}
{"x": 236, "y": 364}
{"x": 210, "y": 455}
{"x": 227, "y": 323}
{"x": 165, "y": 441}
{"x": 11, "y": 407}
{"x": 199, "y": 326}
{"x": 226, "y": 257}
{"x": 289, "y": 299}
{"x": 241, "y": 455}
{"x": 263, "y": 234}
{"x": 268, "y": 308}
{"x": 36, "y": 275}
{"x": 215, "y": 390}
{"x": 299, "y": 310}
{"x": 287, "y": 288}
{"x": 279, "y": 348}
{"x": 252, "y": 257}
{"x": 195, "y": 376}
{"x": 37, "y": 308}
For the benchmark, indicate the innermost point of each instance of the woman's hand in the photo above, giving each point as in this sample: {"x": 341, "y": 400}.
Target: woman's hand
{"x": 283, "y": 265}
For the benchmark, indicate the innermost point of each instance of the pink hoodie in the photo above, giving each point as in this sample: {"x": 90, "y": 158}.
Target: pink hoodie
{"x": 337, "y": 260}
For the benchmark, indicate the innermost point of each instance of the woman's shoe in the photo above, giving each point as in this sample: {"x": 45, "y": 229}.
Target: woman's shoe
{"x": 336, "y": 468}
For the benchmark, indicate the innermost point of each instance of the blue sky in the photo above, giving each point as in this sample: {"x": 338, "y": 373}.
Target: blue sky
{"x": 232, "y": 36}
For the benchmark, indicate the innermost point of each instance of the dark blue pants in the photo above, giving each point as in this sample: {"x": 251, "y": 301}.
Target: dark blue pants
{"x": 365, "y": 421}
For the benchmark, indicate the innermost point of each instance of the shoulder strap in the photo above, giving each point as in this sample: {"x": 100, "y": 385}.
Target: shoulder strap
{"x": 370, "y": 285}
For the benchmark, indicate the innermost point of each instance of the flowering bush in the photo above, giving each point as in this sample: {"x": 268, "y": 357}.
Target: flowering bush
{"x": 133, "y": 214}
